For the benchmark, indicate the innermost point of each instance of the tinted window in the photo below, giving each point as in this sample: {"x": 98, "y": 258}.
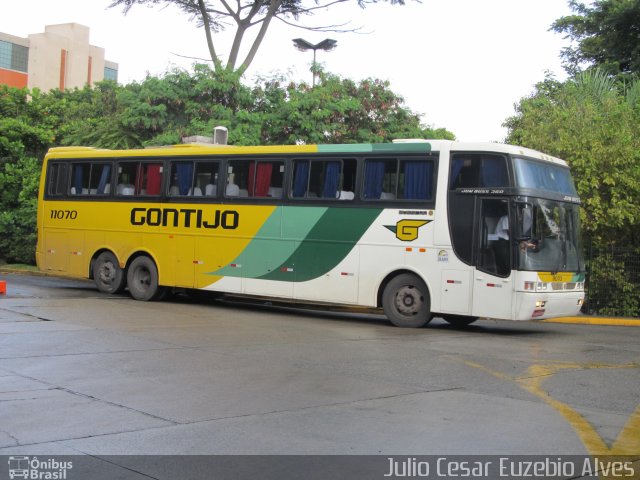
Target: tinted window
{"x": 137, "y": 178}
{"x": 193, "y": 178}
{"x": 328, "y": 179}
{"x": 255, "y": 179}
{"x": 544, "y": 176}
{"x": 477, "y": 170}
{"x": 389, "y": 179}
{"x": 90, "y": 179}
{"x": 57, "y": 179}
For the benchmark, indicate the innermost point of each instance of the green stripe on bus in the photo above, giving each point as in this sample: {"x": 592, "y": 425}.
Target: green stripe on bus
{"x": 346, "y": 148}
{"x": 415, "y": 147}
{"x": 328, "y": 243}
{"x": 275, "y": 242}
{"x": 408, "y": 147}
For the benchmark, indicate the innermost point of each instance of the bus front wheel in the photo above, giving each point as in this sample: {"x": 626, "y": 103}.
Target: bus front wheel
{"x": 107, "y": 274}
{"x": 406, "y": 301}
{"x": 142, "y": 279}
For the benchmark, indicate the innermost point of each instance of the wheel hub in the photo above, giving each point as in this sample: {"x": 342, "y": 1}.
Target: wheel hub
{"x": 107, "y": 273}
{"x": 408, "y": 300}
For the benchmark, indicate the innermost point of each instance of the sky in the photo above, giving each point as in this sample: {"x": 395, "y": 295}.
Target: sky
{"x": 461, "y": 64}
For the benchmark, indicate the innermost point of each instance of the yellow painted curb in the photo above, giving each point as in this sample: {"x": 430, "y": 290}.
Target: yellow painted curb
{"x": 618, "y": 322}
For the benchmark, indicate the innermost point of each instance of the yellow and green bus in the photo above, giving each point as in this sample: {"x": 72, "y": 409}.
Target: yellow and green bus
{"x": 416, "y": 228}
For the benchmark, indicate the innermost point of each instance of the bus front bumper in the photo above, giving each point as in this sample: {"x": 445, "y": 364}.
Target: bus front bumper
{"x": 538, "y": 306}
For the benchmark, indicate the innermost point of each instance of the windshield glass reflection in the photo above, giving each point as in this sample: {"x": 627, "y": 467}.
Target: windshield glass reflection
{"x": 549, "y": 236}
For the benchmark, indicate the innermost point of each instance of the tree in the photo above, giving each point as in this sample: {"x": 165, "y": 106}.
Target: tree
{"x": 338, "y": 111}
{"x": 215, "y": 15}
{"x": 607, "y": 35}
{"x": 27, "y": 129}
{"x": 594, "y": 124}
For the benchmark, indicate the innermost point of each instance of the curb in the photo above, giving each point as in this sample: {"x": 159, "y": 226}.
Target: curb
{"x": 616, "y": 322}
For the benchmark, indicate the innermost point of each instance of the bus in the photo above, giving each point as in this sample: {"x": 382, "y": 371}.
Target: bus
{"x": 413, "y": 228}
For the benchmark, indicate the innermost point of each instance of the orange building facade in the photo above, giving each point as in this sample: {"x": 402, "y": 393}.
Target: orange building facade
{"x": 60, "y": 57}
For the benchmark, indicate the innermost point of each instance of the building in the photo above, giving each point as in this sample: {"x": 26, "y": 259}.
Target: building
{"x": 61, "y": 57}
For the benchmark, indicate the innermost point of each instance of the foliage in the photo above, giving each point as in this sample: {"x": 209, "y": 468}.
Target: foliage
{"x": 606, "y": 35}
{"x": 160, "y": 111}
{"x": 28, "y": 123}
{"x": 614, "y": 282}
{"x": 593, "y": 123}
{"x": 215, "y": 16}
{"x": 338, "y": 111}
{"x": 19, "y": 191}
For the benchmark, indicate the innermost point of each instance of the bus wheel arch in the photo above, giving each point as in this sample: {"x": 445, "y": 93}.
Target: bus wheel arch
{"x": 143, "y": 277}
{"x": 405, "y": 299}
{"x": 106, "y": 272}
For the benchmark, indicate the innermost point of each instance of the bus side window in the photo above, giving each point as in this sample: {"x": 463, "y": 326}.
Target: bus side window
{"x": 477, "y": 170}
{"x": 57, "y": 179}
{"x": 392, "y": 178}
{"x": 194, "y": 179}
{"x": 255, "y": 179}
{"x": 90, "y": 179}
{"x": 328, "y": 179}
{"x": 206, "y": 179}
{"x": 380, "y": 179}
{"x": 416, "y": 179}
{"x": 181, "y": 179}
{"x": 137, "y": 178}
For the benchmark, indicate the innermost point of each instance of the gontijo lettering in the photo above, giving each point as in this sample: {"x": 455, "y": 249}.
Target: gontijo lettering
{"x": 185, "y": 217}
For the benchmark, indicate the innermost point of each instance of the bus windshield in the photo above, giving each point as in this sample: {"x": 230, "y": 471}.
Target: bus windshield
{"x": 549, "y": 236}
{"x": 544, "y": 176}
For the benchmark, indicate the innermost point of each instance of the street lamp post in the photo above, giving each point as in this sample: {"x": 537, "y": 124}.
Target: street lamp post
{"x": 327, "y": 45}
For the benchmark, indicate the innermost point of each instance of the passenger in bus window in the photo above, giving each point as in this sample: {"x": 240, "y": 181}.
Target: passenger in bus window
{"x": 502, "y": 228}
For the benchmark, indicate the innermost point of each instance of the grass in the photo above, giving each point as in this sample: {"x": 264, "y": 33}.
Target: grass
{"x": 18, "y": 268}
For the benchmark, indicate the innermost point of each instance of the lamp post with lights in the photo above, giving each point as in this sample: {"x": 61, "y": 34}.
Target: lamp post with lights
{"x": 303, "y": 45}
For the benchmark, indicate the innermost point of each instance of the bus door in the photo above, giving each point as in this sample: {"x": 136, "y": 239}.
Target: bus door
{"x": 493, "y": 281}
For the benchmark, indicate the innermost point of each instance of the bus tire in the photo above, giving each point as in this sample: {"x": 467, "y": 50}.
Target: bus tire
{"x": 142, "y": 279}
{"x": 459, "y": 320}
{"x": 406, "y": 301}
{"x": 107, "y": 274}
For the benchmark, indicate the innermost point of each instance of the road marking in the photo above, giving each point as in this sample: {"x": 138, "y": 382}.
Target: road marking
{"x": 628, "y": 440}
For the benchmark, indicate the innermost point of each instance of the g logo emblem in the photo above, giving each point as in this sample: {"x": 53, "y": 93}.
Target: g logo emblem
{"x": 407, "y": 230}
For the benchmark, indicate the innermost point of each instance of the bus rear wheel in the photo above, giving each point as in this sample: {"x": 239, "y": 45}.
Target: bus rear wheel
{"x": 107, "y": 274}
{"x": 459, "y": 320}
{"x": 142, "y": 279}
{"x": 406, "y": 301}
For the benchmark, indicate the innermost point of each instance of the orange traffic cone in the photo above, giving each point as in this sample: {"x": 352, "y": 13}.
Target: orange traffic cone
{"x": 3, "y": 287}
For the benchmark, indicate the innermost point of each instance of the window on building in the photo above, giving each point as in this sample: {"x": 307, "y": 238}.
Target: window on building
{"x": 110, "y": 74}
{"x": 14, "y": 57}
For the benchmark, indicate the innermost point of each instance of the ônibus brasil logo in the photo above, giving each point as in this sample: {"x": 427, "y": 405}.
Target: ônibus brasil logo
{"x": 36, "y": 469}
